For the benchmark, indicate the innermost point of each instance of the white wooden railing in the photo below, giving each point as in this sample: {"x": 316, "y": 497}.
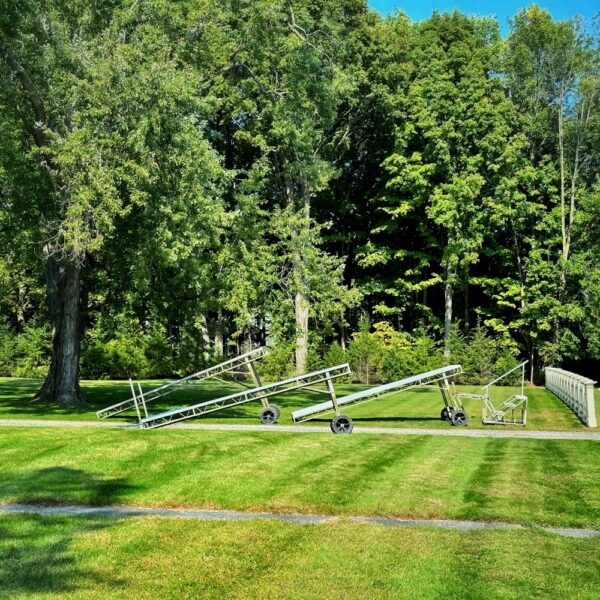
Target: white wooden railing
{"x": 575, "y": 391}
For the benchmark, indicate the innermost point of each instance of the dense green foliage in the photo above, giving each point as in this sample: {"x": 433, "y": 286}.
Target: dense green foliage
{"x": 182, "y": 180}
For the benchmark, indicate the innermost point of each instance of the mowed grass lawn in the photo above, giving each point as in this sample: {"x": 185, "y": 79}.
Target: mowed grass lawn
{"x": 104, "y": 559}
{"x": 533, "y": 482}
{"x": 514, "y": 480}
{"x": 414, "y": 408}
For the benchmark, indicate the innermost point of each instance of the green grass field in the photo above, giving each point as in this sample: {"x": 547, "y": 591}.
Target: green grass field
{"x": 73, "y": 558}
{"x": 529, "y": 481}
{"x": 526, "y": 481}
{"x": 413, "y": 408}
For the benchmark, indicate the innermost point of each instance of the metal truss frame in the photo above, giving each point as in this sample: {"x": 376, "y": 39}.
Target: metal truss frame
{"x": 247, "y": 359}
{"x": 439, "y": 376}
{"x": 258, "y": 393}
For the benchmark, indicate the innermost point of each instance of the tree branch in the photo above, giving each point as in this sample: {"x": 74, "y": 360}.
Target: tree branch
{"x": 38, "y": 131}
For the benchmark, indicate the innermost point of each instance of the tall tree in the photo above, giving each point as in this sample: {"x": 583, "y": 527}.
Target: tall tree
{"x": 452, "y": 135}
{"x": 290, "y": 60}
{"x": 553, "y": 78}
{"x": 102, "y": 99}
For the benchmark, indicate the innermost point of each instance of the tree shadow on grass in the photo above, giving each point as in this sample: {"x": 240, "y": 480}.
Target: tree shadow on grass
{"x": 16, "y": 398}
{"x": 62, "y": 485}
{"x": 38, "y": 554}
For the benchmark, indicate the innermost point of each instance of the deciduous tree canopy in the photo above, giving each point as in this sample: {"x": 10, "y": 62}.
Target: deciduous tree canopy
{"x": 181, "y": 179}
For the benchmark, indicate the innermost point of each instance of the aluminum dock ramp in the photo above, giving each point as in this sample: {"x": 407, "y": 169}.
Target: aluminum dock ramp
{"x": 270, "y": 412}
{"x": 452, "y": 411}
{"x": 243, "y": 360}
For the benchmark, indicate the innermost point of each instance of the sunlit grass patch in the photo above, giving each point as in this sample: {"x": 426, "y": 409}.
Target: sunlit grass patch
{"x": 520, "y": 480}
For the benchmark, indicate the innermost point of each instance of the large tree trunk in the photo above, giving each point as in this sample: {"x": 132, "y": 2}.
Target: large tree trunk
{"x": 205, "y": 337}
{"x": 62, "y": 278}
{"x": 298, "y": 192}
{"x": 63, "y": 295}
{"x": 531, "y": 363}
{"x": 302, "y": 300}
{"x": 219, "y": 338}
{"x": 467, "y": 325}
{"x": 301, "y": 306}
{"x": 342, "y": 332}
{"x": 448, "y": 296}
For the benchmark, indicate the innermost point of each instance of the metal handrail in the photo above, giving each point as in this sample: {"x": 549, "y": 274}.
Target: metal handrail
{"x": 520, "y": 366}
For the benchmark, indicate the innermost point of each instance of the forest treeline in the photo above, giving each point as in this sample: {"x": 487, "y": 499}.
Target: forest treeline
{"x": 179, "y": 180}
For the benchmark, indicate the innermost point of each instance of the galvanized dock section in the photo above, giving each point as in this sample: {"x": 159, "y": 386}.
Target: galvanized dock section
{"x": 343, "y": 423}
{"x": 258, "y": 393}
{"x": 243, "y": 360}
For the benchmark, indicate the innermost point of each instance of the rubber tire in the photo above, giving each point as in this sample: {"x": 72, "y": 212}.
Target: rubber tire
{"x": 460, "y": 418}
{"x": 276, "y": 409}
{"x": 269, "y": 415}
{"x": 342, "y": 424}
{"x": 445, "y": 414}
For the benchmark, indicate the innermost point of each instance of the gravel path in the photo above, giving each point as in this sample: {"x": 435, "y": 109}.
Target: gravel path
{"x": 451, "y": 431}
{"x": 231, "y": 515}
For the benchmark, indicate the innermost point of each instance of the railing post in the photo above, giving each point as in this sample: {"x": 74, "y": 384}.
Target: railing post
{"x": 590, "y": 405}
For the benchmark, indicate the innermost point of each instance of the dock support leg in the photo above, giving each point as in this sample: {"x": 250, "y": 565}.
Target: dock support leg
{"x": 270, "y": 412}
{"x": 142, "y": 399}
{"x": 453, "y": 410}
{"x": 134, "y": 396}
{"x": 446, "y": 413}
{"x": 331, "y": 390}
{"x": 340, "y": 423}
{"x": 256, "y": 379}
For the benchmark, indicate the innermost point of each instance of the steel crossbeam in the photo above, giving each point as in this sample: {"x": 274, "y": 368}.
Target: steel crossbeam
{"x": 247, "y": 359}
{"x": 423, "y": 379}
{"x": 258, "y": 393}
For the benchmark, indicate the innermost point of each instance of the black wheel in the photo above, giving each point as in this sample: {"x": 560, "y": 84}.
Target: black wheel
{"x": 276, "y": 409}
{"x": 269, "y": 415}
{"x": 342, "y": 424}
{"x": 446, "y": 414}
{"x": 460, "y": 418}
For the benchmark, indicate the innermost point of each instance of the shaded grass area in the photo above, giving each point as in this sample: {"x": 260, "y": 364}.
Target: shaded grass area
{"x": 103, "y": 558}
{"x": 414, "y": 408}
{"x": 529, "y": 481}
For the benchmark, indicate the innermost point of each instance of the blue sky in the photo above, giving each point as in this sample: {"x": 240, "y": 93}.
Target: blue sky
{"x": 502, "y": 9}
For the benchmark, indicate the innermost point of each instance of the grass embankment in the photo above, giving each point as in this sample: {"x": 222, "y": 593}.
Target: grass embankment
{"x": 529, "y": 481}
{"x": 414, "y": 408}
{"x": 93, "y": 558}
